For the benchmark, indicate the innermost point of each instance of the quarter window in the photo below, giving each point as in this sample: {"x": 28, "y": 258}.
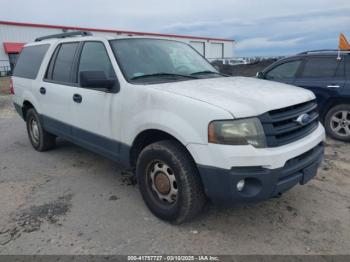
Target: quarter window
{"x": 29, "y": 61}
{"x": 323, "y": 67}
{"x": 94, "y": 57}
{"x": 284, "y": 71}
{"x": 63, "y": 67}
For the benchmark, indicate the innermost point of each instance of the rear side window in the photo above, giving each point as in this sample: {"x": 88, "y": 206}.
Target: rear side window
{"x": 29, "y": 61}
{"x": 323, "y": 67}
{"x": 284, "y": 71}
{"x": 63, "y": 68}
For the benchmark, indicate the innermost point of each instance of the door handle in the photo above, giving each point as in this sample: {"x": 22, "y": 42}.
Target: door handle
{"x": 77, "y": 98}
{"x": 333, "y": 86}
{"x": 42, "y": 90}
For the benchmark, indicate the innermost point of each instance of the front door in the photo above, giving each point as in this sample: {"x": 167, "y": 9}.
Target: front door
{"x": 96, "y": 111}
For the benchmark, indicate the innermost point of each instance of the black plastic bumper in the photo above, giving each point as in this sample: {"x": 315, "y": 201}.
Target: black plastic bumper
{"x": 260, "y": 183}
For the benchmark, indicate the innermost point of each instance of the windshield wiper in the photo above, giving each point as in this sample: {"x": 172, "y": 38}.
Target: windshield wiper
{"x": 207, "y": 72}
{"x": 162, "y": 74}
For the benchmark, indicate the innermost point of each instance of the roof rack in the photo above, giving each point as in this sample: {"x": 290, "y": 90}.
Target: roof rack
{"x": 323, "y": 50}
{"x": 64, "y": 35}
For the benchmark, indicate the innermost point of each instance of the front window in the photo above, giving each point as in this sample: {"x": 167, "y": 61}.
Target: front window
{"x": 286, "y": 70}
{"x": 155, "y": 61}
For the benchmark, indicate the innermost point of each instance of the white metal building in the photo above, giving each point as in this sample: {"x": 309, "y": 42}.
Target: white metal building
{"x": 13, "y": 35}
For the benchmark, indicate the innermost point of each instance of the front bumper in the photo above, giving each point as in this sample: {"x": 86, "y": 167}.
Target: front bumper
{"x": 260, "y": 183}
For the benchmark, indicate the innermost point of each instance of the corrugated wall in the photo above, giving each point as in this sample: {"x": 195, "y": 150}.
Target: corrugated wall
{"x": 25, "y": 34}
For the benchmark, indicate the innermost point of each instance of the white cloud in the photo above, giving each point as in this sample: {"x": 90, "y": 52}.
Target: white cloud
{"x": 264, "y": 42}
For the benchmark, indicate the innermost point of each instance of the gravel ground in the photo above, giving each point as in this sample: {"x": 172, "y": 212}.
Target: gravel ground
{"x": 71, "y": 201}
{"x": 4, "y": 85}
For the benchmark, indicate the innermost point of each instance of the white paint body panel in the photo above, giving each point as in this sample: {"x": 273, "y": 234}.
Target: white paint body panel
{"x": 241, "y": 96}
{"x": 182, "y": 109}
{"x": 225, "y": 156}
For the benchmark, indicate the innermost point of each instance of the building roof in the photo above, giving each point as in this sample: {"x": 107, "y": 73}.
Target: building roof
{"x": 11, "y": 47}
{"x": 111, "y": 31}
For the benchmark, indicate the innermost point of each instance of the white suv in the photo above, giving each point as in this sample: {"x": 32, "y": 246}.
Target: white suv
{"x": 159, "y": 108}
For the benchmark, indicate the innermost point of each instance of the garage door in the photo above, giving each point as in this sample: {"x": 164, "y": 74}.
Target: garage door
{"x": 199, "y": 46}
{"x": 216, "y": 50}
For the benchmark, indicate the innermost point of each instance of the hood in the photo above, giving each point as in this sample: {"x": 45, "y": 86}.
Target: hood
{"x": 241, "y": 96}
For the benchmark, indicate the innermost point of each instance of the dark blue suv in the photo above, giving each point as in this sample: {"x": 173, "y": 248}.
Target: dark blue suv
{"x": 327, "y": 74}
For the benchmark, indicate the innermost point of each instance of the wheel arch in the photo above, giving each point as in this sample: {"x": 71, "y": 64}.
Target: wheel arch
{"x": 25, "y": 107}
{"x": 332, "y": 103}
{"x": 147, "y": 137}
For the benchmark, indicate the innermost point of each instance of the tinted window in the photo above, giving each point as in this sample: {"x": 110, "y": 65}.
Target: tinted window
{"x": 347, "y": 66}
{"x": 283, "y": 71}
{"x": 29, "y": 61}
{"x": 62, "y": 70}
{"x": 323, "y": 67}
{"x": 94, "y": 57}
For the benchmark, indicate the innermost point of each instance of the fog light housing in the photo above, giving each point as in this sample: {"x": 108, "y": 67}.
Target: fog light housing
{"x": 240, "y": 185}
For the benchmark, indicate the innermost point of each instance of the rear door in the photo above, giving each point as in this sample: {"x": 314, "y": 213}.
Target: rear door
{"x": 285, "y": 72}
{"x": 57, "y": 89}
{"x": 347, "y": 74}
{"x": 324, "y": 75}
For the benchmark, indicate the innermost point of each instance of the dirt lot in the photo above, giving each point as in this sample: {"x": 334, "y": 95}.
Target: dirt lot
{"x": 71, "y": 201}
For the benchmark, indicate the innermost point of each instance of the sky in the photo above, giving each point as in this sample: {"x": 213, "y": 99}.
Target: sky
{"x": 260, "y": 27}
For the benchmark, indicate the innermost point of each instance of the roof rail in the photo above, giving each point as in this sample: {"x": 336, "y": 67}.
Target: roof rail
{"x": 64, "y": 35}
{"x": 323, "y": 50}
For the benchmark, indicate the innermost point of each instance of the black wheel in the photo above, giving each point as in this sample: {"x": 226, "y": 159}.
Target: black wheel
{"x": 40, "y": 139}
{"x": 337, "y": 122}
{"x": 169, "y": 182}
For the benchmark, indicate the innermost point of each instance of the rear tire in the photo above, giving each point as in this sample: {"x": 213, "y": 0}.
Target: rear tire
{"x": 40, "y": 139}
{"x": 337, "y": 122}
{"x": 169, "y": 182}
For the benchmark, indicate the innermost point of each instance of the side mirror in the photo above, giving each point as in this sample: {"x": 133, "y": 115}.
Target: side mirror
{"x": 95, "y": 79}
{"x": 260, "y": 75}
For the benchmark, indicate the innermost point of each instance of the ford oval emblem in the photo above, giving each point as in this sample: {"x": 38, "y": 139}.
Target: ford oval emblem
{"x": 303, "y": 119}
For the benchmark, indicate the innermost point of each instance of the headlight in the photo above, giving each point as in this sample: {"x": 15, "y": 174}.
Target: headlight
{"x": 247, "y": 131}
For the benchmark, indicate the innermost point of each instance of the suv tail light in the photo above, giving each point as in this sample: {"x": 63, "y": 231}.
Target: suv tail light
{"x": 12, "y": 90}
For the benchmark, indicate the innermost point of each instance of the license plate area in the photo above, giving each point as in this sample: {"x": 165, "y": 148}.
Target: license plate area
{"x": 308, "y": 173}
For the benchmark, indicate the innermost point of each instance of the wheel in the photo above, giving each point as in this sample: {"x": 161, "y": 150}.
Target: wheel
{"x": 169, "y": 182}
{"x": 337, "y": 122}
{"x": 40, "y": 139}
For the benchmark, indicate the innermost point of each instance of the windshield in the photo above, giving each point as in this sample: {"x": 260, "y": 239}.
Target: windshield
{"x": 155, "y": 60}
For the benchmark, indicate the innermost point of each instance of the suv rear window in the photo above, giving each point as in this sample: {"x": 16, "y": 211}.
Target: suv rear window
{"x": 29, "y": 61}
{"x": 323, "y": 67}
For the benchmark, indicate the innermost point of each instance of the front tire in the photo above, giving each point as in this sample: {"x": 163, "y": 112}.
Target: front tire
{"x": 40, "y": 139}
{"x": 169, "y": 182}
{"x": 337, "y": 122}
